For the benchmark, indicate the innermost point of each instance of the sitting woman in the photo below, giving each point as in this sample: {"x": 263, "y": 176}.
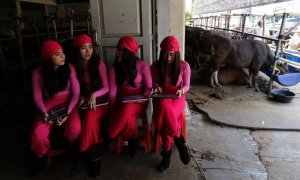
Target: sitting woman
{"x": 170, "y": 75}
{"x": 92, "y": 76}
{"x": 53, "y": 83}
{"x": 133, "y": 77}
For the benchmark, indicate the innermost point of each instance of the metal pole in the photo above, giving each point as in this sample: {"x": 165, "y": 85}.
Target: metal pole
{"x": 206, "y": 23}
{"x": 264, "y": 28}
{"x": 3, "y": 64}
{"x": 225, "y": 23}
{"x": 71, "y": 27}
{"x": 37, "y": 38}
{"x": 88, "y": 26}
{"x": 47, "y": 29}
{"x": 75, "y": 28}
{"x": 244, "y": 24}
{"x": 19, "y": 41}
{"x": 228, "y": 23}
{"x": 215, "y": 23}
{"x": 280, "y": 38}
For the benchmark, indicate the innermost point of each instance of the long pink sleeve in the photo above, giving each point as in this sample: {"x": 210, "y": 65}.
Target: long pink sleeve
{"x": 147, "y": 81}
{"x": 112, "y": 88}
{"x": 37, "y": 88}
{"x": 186, "y": 76}
{"x": 75, "y": 88}
{"x": 103, "y": 76}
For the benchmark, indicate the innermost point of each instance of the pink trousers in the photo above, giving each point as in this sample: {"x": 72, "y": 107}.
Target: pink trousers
{"x": 167, "y": 114}
{"x": 124, "y": 120}
{"x": 90, "y": 128}
{"x": 39, "y": 142}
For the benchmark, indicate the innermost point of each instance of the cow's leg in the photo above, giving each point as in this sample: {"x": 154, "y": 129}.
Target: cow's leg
{"x": 196, "y": 58}
{"x": 212, "y": 79}
{"x": 255, "y": 76}
{"x": 216, "y": 79}
{"x": 250, "y": 78}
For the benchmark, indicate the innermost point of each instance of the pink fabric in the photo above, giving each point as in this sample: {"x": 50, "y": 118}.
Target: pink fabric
{"x": 142, "y": 80}
{"x": 81, "y": 40}
{"x": 49, "y": 48}
{"x": 129, "y": 43}
{"x": 39, "y": 142}
{"x": 39, "y": 91}
{"x": 90, "y": 127}
{"x": 104, "y": 82}
{"x": 167, "y": 116}
{"x": 124, "y": 120}
{"x": 183, "y": 79}
{"x": 170, "y": 43}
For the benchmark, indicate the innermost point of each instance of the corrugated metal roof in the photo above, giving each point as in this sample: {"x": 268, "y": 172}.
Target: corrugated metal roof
{"x": 213, "y": 6}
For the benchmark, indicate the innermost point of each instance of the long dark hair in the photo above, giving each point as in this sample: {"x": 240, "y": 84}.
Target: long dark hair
{"x": 93, "y": 71}
{"x": 162, "y": 68}
{"x": 129, "y": 60}
{"x": 56, "y": 80}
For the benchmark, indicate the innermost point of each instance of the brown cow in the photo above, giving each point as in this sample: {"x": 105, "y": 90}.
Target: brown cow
{"x": 194, "y": 41}
{"x": 251, "y": 54}
{"x": 226, "y": 75}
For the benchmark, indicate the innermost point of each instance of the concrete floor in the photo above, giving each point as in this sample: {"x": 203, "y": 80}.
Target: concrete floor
{"x": 17, "y": 114}
{"x": 233, "y": 153}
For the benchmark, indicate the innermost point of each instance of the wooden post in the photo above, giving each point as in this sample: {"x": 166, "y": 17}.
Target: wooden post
{"x": 19, "y": 40}
{"x": 71, "y": 27}
{"x": 3, "y": 65}
{"x": 54, "y": 29}
{"x": 88, "y": 26}
{"x": 47, "y": 28}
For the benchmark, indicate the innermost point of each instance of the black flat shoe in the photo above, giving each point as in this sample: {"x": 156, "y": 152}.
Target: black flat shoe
{"x": 133, "y": 145}
{"x": 101, "y": 150}
{"x": 38, "y": 166}
{"x": 96, "y": 168}
{"x": 183, "y": 152}
{"x": 165, "y": 163}
{"x": 78, "y": 164}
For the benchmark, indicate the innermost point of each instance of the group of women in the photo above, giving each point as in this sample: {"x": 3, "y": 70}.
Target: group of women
{"x": 86, "y": 79}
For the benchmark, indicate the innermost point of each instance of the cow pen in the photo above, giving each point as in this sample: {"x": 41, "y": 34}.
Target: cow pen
{"x": 242, "y": 25}
{"x": 31, "y": 25}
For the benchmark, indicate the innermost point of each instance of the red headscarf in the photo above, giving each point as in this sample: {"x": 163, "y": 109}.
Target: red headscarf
{"x": 49, "y": 48}
{"x": 170, "y": 43}
{"x": 81, "y": 40}
{"x": 129, "y": 43}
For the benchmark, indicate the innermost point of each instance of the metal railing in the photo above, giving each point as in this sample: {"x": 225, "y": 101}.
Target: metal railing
{"x": 278, "y": 41}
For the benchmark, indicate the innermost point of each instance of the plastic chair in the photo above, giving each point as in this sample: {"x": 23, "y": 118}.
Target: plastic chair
{"x": 156, "y": 135}
{"x": 146, "y": 133}
{"x": 54, "y": 137}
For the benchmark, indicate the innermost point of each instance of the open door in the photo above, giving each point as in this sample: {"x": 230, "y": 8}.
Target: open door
{"x": 113, "y": 19}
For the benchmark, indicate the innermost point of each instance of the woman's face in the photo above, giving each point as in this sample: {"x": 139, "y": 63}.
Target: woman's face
{"x": 119, "y": 52}
{"x": 86, "y": 51}
{"x": 169, "y": 56}
{"x": 58, "y": 59}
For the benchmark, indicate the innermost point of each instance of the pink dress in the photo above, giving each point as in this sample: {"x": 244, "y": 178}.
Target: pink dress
{"x": 90, "y": 128}
{"x": 40, "y": 130}
{"x": 168, "y": 112}
{"x": 125, "y": 114}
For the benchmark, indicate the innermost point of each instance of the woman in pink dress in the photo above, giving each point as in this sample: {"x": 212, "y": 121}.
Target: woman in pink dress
{"x": 92, "y": 76}
{"x": 170, "y": 75}
{"x": 133, "y": 77}
{"x": 53, "y": 83}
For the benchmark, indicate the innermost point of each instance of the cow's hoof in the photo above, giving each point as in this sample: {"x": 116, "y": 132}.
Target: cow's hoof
{"x": 220, "y": 85}
{"x": 213, "y": 86}
{"x": 257, "y": 90}
{"x": 250, "y": 86}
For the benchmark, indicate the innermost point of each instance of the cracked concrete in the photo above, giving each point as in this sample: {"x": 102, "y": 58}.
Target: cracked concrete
{"x": 224, "y": 152}
{"x": 279, "y": 152}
